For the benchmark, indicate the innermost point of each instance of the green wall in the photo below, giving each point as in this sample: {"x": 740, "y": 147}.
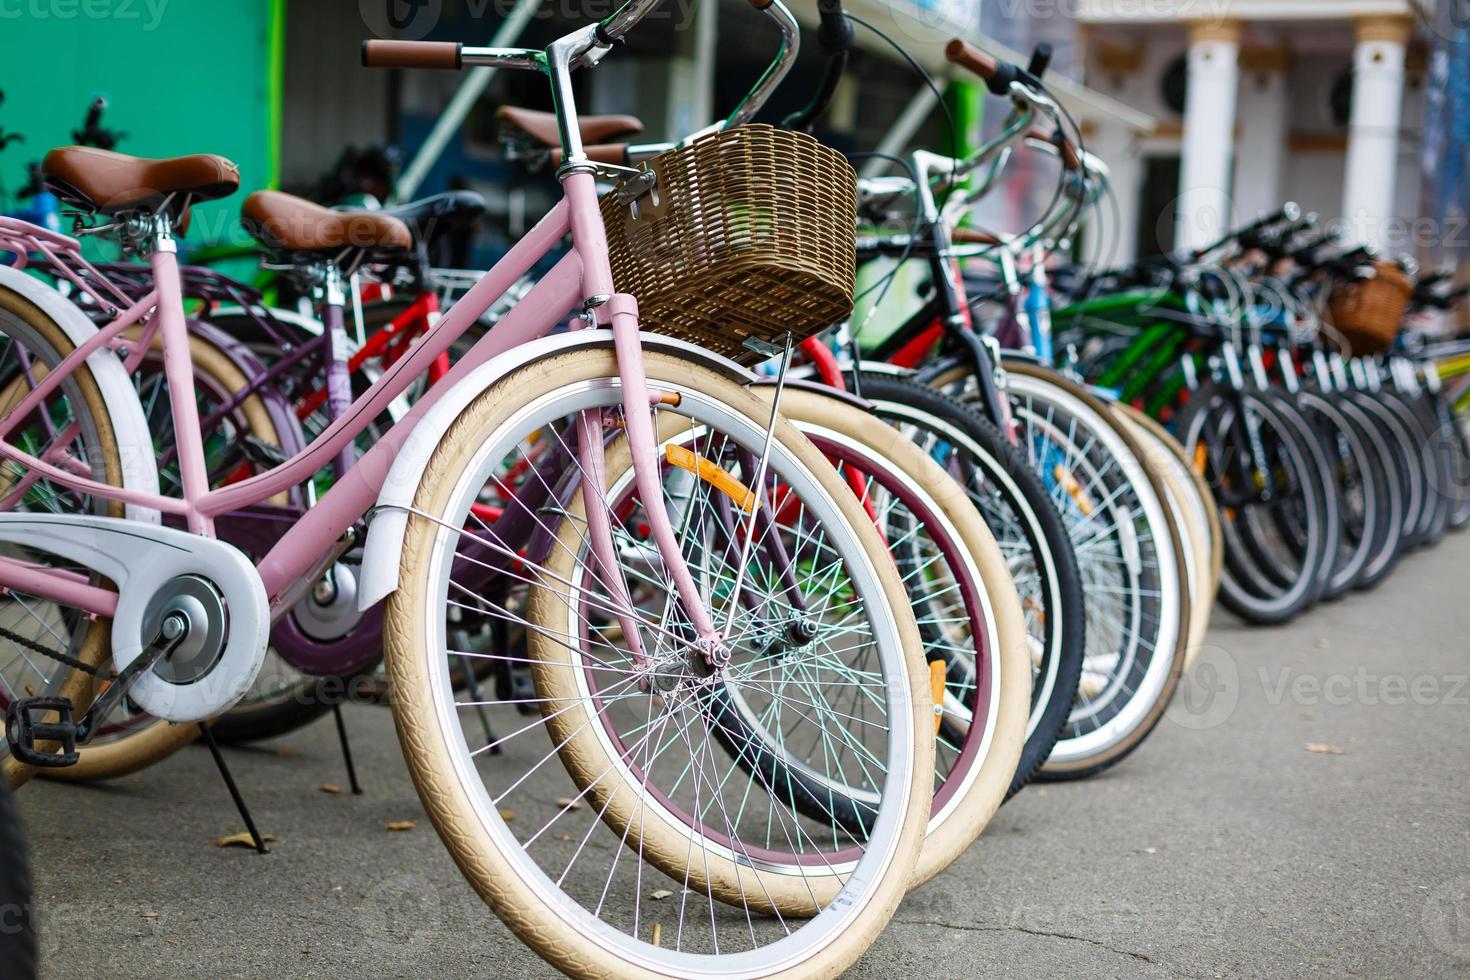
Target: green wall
{"x": 182, "y": 76}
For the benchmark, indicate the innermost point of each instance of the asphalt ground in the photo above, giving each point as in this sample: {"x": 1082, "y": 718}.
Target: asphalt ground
{"x": 1303, "y": 811}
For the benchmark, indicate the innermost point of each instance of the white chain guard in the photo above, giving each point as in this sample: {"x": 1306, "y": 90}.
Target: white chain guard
{"x": 140, "y": 558}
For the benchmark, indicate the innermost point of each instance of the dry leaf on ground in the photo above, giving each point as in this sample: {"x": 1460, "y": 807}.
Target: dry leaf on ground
{"x": 1325, "y": 749}
{"x": 398, "y": 825}
{"x": 331, "y": 788}
{"x": 242, "y": 839}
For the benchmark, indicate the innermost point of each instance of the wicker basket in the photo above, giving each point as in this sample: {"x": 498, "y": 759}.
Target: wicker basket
{"x": 749, "y": 232}
{"x": 1370, "y": 313}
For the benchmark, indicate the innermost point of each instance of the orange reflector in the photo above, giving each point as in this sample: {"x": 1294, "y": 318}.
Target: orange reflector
{"x": 714, "y": 474}
{"x": 1074, "y": 489}
{"x": 937, "y": 674}
{"x": 1199, "y": 459}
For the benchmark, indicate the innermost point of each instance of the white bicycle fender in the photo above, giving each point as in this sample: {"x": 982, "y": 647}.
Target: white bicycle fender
{"x": 134, "y": 442}
{"x": 390, "y": 516}
{"x": 140, "y": 559}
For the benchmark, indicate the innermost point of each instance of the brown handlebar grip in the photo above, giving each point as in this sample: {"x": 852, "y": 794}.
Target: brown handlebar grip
{"x": 973, "y": 236}
{"x": 613, "y": 153}
{"x": 966, "y": 55}
{"x": 1064, "y": 148}
{"x": 380, "y": 53}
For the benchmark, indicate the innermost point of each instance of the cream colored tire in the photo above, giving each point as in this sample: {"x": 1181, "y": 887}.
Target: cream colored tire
{"x": 434, "y": 749}
{"x": 95, "y": 648}
{"x": 966, "y": 813}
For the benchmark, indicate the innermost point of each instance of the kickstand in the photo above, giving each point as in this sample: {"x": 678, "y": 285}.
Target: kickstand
{"x": 473, "y": 684}
{"x": 224, "y": 770}
{"x": 346, "y": 750}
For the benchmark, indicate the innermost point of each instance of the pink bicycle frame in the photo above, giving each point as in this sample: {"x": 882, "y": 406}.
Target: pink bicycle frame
{"x": 581, "y": 280}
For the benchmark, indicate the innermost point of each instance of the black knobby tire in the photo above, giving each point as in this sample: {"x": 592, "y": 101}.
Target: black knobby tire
{"x": 905, "y": 403}
{"x": 17, "y": 916}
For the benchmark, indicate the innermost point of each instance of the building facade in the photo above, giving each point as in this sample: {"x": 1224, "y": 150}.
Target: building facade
{"x": 1259, "y": 102}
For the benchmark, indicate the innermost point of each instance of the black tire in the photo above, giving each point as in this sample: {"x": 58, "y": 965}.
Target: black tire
{"x": 1263, "y": 582}
{"x": 1384, "y": 552}
{"x": 17, "y": 912}
{"x": 1358, "y": 478}
{"x": 1429, "y": 523}
{"x": 274, "y": 717}
{"x": 992, "y": 467}
{"x": 1330, "y": 512}
{"x": 1406, "y": 455}
{"x": 1460, "y": 456}
{"x": 1040, "y": 397}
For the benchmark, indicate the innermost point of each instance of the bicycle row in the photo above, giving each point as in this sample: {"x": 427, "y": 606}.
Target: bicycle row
{"x": 678, "y": 576}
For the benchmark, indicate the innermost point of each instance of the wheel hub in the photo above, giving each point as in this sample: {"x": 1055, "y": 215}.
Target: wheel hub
{"x": 329, "y": 612}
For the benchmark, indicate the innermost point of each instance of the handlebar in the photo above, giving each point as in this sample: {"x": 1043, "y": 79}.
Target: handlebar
{"x": 1058, "y": 141}
{"x": 835, "y": 36}
{"x": 1040, "y": 60}
{"x": 996, "y": 74}
{"x": 1287, "y": 212}
{"x": 379, "y": 53}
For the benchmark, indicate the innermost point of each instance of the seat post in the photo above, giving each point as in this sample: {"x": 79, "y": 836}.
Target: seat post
{"x": 332, "y": 298}
{"x": 161, "y": 233}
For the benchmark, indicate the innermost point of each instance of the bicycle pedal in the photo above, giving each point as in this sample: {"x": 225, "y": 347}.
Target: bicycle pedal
{"x": 24, "y": 729}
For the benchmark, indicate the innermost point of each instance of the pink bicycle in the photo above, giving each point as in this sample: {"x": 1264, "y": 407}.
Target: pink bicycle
{"x": 673, "y": 545}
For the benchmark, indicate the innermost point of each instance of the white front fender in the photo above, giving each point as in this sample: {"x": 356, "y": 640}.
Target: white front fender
{"x": 134, "y": 442}
{"x": 390, "y": 516}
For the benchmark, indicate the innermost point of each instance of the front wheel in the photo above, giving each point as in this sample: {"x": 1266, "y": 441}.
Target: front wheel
{"x": 604, "y": 823}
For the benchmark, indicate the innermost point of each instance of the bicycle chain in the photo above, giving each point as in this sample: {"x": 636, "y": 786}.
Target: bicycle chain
{"x": 50, "y": 654}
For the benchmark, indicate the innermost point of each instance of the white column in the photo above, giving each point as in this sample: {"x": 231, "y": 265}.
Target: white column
{"x": 691, "y": 78}
{"x": 1373, "y": 135}
{"x": 1113, "y": 233}
{"x": 1263, "y": 109}
{"x": 1209, "y": 127}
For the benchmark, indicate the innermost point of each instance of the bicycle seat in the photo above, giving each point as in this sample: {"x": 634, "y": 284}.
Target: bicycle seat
{"x": 453, "y": 209}
{"x": 541, "y": 126}
{"x": 293, "y": 224}
{"x": 107, "y": 182}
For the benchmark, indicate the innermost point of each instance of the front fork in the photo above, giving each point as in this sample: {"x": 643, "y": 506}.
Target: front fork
{"x": 622, "y": 311}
